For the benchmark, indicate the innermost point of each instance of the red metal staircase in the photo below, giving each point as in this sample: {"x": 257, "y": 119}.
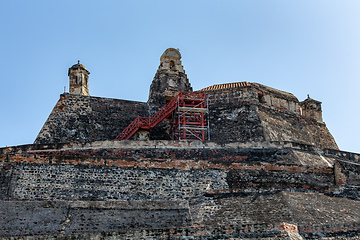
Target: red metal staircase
{"x": 186, "y": 111}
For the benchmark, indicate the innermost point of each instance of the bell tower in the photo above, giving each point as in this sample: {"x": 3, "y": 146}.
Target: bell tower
{"x": 169, "y": 79}
{"x": 79, "y": 80}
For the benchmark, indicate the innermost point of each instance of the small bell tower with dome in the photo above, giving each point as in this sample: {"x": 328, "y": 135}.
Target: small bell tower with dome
{"x": 311, "y": 108}
{"x": 79, "y": 80}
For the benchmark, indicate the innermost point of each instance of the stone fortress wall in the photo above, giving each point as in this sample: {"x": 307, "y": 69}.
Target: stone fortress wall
{"x": 249, "y": 112}
{"x": 234, "y": 115}
{"x": 242, "y": 111}
{"x": 235, "y": 93}
{"x": 77, "y": 118}
{"x": 270, "y": 170}
{"x": 116, "y": 186}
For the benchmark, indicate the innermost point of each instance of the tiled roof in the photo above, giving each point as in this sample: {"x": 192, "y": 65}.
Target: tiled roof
{"x": 225, "y": 86}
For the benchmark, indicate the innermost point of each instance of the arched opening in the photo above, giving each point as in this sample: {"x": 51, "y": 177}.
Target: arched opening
{"x": 172, "y": 65}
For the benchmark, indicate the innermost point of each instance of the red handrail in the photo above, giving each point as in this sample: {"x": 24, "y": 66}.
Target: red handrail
{"x": 164, "y": 112}
{"x": 150, "y": 122}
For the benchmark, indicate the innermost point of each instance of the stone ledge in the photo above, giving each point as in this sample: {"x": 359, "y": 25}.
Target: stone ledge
{"x": 159, "y": 144}
{"x": 354, "y": 157}
{"x": 131, "y": 205}
{"x": 248, "y": 231}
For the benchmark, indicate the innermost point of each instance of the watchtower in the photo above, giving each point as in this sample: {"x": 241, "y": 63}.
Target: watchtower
{"x": 311, "y": 108}
{"x": 169, "y": 79}
{"x": 79, "y": 80}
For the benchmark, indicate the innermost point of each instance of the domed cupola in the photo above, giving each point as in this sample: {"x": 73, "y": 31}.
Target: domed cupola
{"x": 79, "y": 80}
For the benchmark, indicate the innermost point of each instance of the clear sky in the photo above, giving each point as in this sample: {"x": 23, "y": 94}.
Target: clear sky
{"x": 300, "y": 46}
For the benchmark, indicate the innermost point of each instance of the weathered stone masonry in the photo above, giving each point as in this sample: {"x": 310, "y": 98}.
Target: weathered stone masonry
{"x": 203, "y": 189}
{"x": 243, "y": 112}
{"x": 238, "y": 113}
{"x": 84, "y": 118}
{"x": 270, "y": 170}
{"x": 80, "y": 175}
{"x": 105, "y": 171}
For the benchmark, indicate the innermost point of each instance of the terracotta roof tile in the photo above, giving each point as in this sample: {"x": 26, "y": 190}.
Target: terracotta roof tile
{"x": 225, "y": 86}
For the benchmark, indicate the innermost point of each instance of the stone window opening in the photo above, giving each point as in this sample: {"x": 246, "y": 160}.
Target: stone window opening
{"x": 172, "y": 65}
{"x": 261, "y": 98}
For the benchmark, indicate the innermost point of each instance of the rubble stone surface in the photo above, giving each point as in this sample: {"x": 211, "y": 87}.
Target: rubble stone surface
{"x": 270, "y": 169}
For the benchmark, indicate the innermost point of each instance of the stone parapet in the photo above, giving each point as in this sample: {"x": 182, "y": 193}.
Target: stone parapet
{"x": 160, "y": 144}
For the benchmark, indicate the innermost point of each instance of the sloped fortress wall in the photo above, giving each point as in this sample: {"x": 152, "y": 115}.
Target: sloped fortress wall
{"x": 251, "y": 112}
{"x": 279, "y": 126}
{"x": 77, "y": 118}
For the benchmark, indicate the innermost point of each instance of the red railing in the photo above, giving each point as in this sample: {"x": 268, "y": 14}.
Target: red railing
{"x": 189, "y": 99}
{"x": 192, "y": 95}
{"x": 164, "y": 112}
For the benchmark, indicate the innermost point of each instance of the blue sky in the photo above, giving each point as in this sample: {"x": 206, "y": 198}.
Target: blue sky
{"x": 300, "y": 46}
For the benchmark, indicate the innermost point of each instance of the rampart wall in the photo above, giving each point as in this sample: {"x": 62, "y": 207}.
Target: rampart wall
{"x": 77, "y": 118}
{"x": 234, "y": 115}
{"x": 245, "y": 231}
{"x": 64, "y": 217}
{"x": 116, "y": 186}
{"x": 254, "y": 112}
{"x": 282, "y": 126}
{"x": 155, "y": 173}
{"x": 231, "y": 96}
{"x": 253, "y": 122}
{"x": 253, "y": 92}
